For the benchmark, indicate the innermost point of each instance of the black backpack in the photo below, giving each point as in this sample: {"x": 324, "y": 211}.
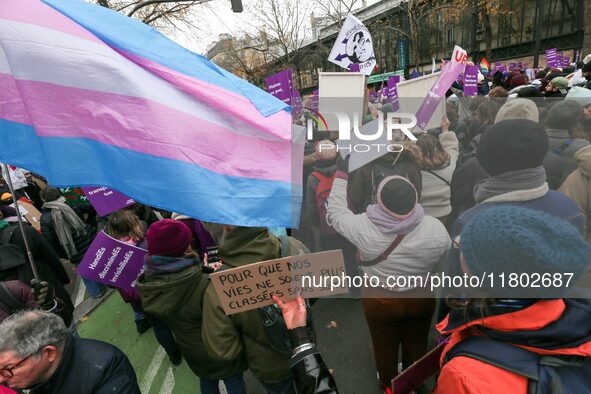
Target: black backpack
{"x": 11, "y": 255}
{"x": 546, "y": 374}
{"x": 380, "y": 171}
{"x": 272, "y": 318}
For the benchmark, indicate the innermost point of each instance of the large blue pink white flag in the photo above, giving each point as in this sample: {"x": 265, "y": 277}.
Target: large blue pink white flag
{"x": 89, "y": 97}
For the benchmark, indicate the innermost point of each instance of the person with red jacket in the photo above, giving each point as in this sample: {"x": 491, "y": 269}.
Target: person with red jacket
{"x": 504, "y": 345}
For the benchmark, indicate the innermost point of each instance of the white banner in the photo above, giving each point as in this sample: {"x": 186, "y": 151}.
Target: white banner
{"x": 353, "y": 46}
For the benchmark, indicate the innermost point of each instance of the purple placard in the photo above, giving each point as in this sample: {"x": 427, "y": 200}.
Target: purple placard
{"x": 393, "y": 92}
{"x": 437, "y": 93}
{"x": 471, "y": 81}
{"x": 551, "y": 57}
{"x": 577, "y": 55}
{"x": 112, "y": 262}
{"x": 512, "y": 66}
{"x": 106, "y": 200}
{"x": 280, "y": 85}
{"x": 566, "y": 61}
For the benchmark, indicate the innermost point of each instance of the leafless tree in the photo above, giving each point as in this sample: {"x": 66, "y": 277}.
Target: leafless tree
{"x": 164, "y": 15}
{"x": 337, "y": 10}
{"x": 284, "y": 23}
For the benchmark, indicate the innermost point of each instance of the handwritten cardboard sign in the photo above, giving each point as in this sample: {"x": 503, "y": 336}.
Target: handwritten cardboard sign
{"x": 252, "y": 286}
{"x": 112, "y": 262}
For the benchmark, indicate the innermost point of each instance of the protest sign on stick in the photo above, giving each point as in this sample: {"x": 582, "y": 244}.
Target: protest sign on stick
{"x": 437, "y": 93}
{"x": 252, "y": 286}
{"x": 353, "y": 48}
{"x": 112, "y": 262}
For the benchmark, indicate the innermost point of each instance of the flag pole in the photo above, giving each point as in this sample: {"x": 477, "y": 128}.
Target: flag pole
{"x": 20, "y": 222}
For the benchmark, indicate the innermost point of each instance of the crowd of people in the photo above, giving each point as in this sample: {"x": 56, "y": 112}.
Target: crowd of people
{"x": 503, "y": 185}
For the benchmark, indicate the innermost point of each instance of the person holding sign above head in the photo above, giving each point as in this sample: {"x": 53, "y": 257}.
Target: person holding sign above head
{"x": 172, "y": 288}
{"x": 395, "y": 239}
{"x": 227, "y": 337}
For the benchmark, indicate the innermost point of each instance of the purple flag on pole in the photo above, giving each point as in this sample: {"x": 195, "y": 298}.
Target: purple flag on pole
{"x": 471, "y": 81}
{"x": 566, "y": 61}
{"x": 280, "y": 85}
{"x": 354, "y": 67}
{"x": 105, "y": 200}
{"x": 112, "y": 262}
{"x": 437, "y": 93}
{"x": 393, "y": 92}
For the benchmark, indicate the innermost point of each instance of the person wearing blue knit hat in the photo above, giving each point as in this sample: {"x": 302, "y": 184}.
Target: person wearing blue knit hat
{"x": 509, "y": 239}
{"x": 499, "y": 344}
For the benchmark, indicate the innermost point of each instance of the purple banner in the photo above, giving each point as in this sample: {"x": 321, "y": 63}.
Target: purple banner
{"x": 551, "y": 57}
{"x": 577, "y": 55}
{"x": 105, "y": 200}
{"x": 512, "y": 66}
{"x": 471, "y": 81}
{"x": 314, "y": 100}
{"x": 437, "y": 93}
{"x": 112, "y": 262}
{"x": 280, "y": 85}
{"x": 393, "y": 92}
{"x": 296, "y": 107}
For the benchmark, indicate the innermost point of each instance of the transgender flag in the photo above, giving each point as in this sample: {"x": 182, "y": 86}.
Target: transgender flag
{"x": 89, "y": 97}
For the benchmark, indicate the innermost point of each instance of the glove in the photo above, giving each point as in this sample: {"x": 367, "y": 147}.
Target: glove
{"x": 44, "y": 294}
{"x": 343, "y": 164}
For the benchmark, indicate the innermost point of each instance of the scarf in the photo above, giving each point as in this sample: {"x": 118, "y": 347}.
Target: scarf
{"x": 3, "y": 223}
{"x": 163, "y": 264}
{"x": 388, "y": 224}
{"x": 530, "y": 179}
{"x": 66, "y": 224}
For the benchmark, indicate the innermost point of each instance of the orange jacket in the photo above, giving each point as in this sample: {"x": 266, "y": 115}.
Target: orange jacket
{"x": 465, "y": 375}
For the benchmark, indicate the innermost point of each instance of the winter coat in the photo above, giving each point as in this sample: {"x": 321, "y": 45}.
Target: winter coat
{"x": 547, "y": 327}
{"x": 24, "y": 296}
{"x": 436, "y": 194}
{"x": 90, "y": 366}
{"x": 22, "y": 293}
{"x": 177, "y": 298}
{"x": 578, "y": 186}
{"x": 81, "y": 241}
{"x": 48, "y": 264}
{"x": 311, "y": 374}
{"x": 226, "y": 337}
{"x": 557, "y": 138}
{"x": 471, "y": 173}
{"x": 418, "y": 253}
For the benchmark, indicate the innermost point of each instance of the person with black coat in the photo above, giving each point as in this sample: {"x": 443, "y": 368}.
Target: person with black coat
{"x": 38, "y": 353}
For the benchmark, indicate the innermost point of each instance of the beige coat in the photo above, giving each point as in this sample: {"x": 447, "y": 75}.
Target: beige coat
{"x": 578, "y": 186}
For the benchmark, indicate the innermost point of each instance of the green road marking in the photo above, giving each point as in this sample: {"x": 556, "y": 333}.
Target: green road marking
{"x": 113, "y": 322}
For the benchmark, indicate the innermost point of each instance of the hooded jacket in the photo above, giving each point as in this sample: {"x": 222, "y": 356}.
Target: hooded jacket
{"x": 311, "y": 186}
{"x": 226, "y": 337}
{"x": 578, "y": 186}
{"x": 176, "y": 298}
{"x": 547, "y": 327}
